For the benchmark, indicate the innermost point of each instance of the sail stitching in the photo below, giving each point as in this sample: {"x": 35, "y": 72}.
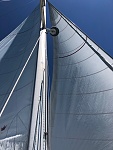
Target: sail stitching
{"x": 24, "y": 31}
{"x": 73, "y": 52}
{"x": 63, "y": 28}
{"x": 58, "y": 21}
{"x": 24, "y": 51}
{"x": 83, "y": 139}
{"x": 87, "y": 114}
{"x": 15, "y": 117}
{"x": 14, "y": 69}
{"x": 85, "y": 75}
{"x": 6, "y": 44}
{"x": 17, "y": 34}
{"x": 96, "y": 92}
{"x": 78, "y": 61}
{"x": 19, "y": 78}
{"x": 15, "y": 56}
{"x": 68, "y": 38}
{"x": 19, "y": 63}
{"x": 98, "y": 54}
{"x": 21, "y": 121}
{"x": 17, "y": 89}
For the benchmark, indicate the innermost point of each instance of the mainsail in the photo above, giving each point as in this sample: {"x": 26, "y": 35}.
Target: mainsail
{"x": 15, "y": 113}
{"x": 81, "y": 106}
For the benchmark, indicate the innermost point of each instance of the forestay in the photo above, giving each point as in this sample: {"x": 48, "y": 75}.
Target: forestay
{"x": 82, "y": 91}
{"x": 14, "y": 52}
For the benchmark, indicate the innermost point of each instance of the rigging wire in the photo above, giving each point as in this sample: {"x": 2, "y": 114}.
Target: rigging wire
{"x": 3, "y": 108}
{"x": 8, "y": 91}
{"x": 38, "y": 120}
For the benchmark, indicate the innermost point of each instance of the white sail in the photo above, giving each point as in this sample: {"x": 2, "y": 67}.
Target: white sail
{"x": 81, "y": 107}
{"x": 16, "y": 55}
{"x": 82, "y": 91}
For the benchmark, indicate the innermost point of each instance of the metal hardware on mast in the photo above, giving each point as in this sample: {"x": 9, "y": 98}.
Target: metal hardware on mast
{"x": 43, "y": 13}
{"x": 43, "y": 48}
{"x": 41, "y": 75}
{"x": 43, "y": 26}
{"x": 54, "y": 31}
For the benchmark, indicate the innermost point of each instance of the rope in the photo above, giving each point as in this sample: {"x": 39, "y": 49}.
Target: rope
{"x": 1, "y": 112}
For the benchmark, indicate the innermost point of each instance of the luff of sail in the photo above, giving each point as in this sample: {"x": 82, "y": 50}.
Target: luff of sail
{"x": 14, "y": 52}
{"x": 82, "y": 90}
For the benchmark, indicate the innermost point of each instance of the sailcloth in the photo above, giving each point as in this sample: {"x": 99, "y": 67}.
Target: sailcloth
{"x": 14, "y": 52}
{"x": 81, "y": 106}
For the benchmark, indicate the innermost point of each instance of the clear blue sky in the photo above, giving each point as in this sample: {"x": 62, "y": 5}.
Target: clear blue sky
{"x": 94, "y": 17}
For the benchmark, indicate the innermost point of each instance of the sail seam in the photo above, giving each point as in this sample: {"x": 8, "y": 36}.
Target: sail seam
{"x": 73, "y": 52}
{"x": 14, "y": 56}
{"x": 78, "y": 61}
{"x": 85, "y": 114}
{"x": 17, "y": 89}
{"x": 14, "y": 69}
{"x": 58, "y": 21}
{"x": 67, "y": 39}
{"x": 63, "y": 28}
{"x": 98, "y": 54}
{"x": 87, "y": 93}
{"x": 83, "y": 76}
{"x": 2, "y": 110}
{"x": 75, "y": 26}
{"x": 20, "y": 61}
{"x": 81, "y": 139}
{"x": 29, "y": 105}
{"x": 96, "y": 92}
{"x": 22, "y": 121}
{"x": 24, "y": 31}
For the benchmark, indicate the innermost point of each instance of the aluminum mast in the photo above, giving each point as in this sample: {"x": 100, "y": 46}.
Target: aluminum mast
{"x": 41, "y": 80}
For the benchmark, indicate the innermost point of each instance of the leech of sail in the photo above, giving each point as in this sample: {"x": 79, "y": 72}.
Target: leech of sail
{"x": 18, "y": 78}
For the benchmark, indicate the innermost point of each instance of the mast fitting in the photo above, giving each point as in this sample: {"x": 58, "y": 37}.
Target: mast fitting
{"x": 54, "y": 31}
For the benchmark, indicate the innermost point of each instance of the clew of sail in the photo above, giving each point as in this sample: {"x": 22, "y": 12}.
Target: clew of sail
{"x": 81, "y": 106}
{"x": 15, "y": 50}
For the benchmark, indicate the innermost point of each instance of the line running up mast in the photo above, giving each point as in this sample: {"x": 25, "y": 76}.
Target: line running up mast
{"x": 40, "y": 97}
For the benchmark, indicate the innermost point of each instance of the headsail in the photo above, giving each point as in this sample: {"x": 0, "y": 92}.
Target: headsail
{"x": 15, "y": 50}
{"x": 82, "y": 90}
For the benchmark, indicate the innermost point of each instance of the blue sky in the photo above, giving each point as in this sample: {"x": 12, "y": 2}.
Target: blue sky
{"x": 94, "y": 17}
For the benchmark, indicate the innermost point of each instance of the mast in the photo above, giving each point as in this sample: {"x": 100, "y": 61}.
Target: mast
{"x": 38, "y": 130}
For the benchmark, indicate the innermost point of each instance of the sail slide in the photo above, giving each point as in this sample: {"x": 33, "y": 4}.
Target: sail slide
{"x": 81, "y": 104}
{"x": 15, "y": 114}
